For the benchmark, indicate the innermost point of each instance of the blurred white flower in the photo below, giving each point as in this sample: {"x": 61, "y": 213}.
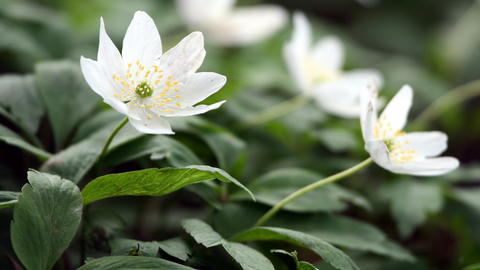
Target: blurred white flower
{"x": 317, "y": 70}
{"x": 145, "y": 85}
{"x": 397, "y": 151}
{"x": 225, "y": 26}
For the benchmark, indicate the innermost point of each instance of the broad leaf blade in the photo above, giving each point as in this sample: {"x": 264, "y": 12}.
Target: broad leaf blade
{"x": 12, "y": 138}
{"x": 149, "y": 182}
{"x": 124, "y": 247}
{"x": 66, "y": 95}
{"x": 247, "y": 257}
{"x": 46, "y": 218}
{"x": 132, "y": 262}
{"x": 16, "y": 91}
{"x": 329, "y": 253}
{"x": 176, "y": 247}
{"x": 274, "y": 186}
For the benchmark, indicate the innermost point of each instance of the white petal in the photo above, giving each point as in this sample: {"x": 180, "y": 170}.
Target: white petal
{"x": 142, "y": 42}
{"x": 196, "y": 110}
{"x": 200, "y": 14}
{"x": 329, "y": 53}
{"x": 379, "y": 153}
{"x": 185, "y": 58}
{"x": 151, "y": 125}
{"x": 427, "y": 167}
{"x": 199, "y": 86}
{"x": 97, "y": 78}
{"x": 367, "y": 124}
{"x": 245, "y": 26}
{"x": 364, "y": 77}
{"x": 296, "y": 50}
{"x": 397, "y": 109}
{"x": 428, "y": 144}
{"x": 109, "y": 56}
{"x": 368, "y": 98}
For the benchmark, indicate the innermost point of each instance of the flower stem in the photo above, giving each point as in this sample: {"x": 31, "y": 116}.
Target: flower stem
{"x": 311, "y": 187}
{"x": 448, "y": 100}
{"x": 271, "y": 113}
{"x": 107, "y": 143}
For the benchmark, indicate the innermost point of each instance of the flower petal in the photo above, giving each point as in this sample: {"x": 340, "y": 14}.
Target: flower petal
{"x": 201, "y": 14}
{"x": 196, "y": 110}
{"x": 199, "y": 86}
{"x": 368, "y": 98}
{"x": 142, "y": 42}
{"x": 427, "y": 167}
{"x": 109, "y": 56}
{"x": 428, "y": 144}
{"x": 295, "y": 51}
{"x": 397, "y": 109}
{"x": 379, "y": 153}
{"x": 245, "y": 26}
{"x": 329, "y": 53}
{"x": 184, "y": 59}
{"x": 151, "y": 125}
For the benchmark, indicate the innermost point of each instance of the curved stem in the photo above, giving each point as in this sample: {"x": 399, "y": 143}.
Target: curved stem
{"x": 271, "y": 113}
{"x": 311, "y": 187}
{"x": 448, "y": 100}
{"x": 107, "y": 143}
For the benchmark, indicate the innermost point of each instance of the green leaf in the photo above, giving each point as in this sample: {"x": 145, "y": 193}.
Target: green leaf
{"x": 301, "y": 265}
{"x": 66, "y": 95}
{"x": 12, "y": 138}
{"x": 125, "y": 247}
{"x": 229, "y": 149}
{"x": 75, "y": 161}
{"x": 100, "y": 226}
{"x": 209, "y": 191}
{"x": 176, "y": 247}
{"x": 411, "y": 201}
{"x": 132, "y": 262}
{"x": 177, "y": 154}
{"x": 472, "y": 267}
{"x": 45, "y": 219}
{"x": 16, "y": 91}
{"x": 341, "y": 231}
{"x": 247, "y": 257}
{"x": 150, "y": 182}
{"x": 210, "y": 262}
{"x": 329, "y": 253}
{"x": 470, "y": 196}
{"x": 8, "y": 198}
{"x": 274, "y": 186}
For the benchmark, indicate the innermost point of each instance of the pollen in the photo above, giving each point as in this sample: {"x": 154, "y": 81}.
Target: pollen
{"x": 143, "y": 106}
{"x": 170, "y": 76}
{"x": 165, "y": 110}
{"x": 150, "y": 116}
{"x": 168, "y": 100}
{"x": 178, "y": 104}
{"x": 177, "y": 96}
{"x": 177, "y": 90}
{"x": 138, "y": 62}
{"x": 129, "y": 66}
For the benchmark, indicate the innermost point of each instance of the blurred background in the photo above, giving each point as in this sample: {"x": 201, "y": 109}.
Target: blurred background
{"x": 434, "y": 46}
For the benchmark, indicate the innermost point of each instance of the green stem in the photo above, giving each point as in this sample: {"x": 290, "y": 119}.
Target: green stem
{"x": 311, "y": 187}
{"x": 271, "y": 113}
{"x": 448, "y": 100}
{"x": 107, "y": 144}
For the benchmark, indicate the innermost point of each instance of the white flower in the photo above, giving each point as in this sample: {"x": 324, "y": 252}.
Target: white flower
{"x": 223, "y": 25}
{"x": 406, "y": 153}
{"x": 317, "y": 70}
{"x": 145, "y": 85}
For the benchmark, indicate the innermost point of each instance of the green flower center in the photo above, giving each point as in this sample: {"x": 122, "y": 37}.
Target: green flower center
{"x": 144, "y": 89}
{"x": 389, "y": 143}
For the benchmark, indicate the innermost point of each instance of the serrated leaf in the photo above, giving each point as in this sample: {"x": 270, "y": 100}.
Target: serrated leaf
{"x": 329, "y": 253}
{"x": 276, "y": 185}
{"x": 16, "y": 91}
{"x": 132, "y": 262}
{"x": 66, "y": 95}
{"x": 177, "y": 154}
{"x": 211, "y": 262}
{"x": 411, "y": 201}
{"x": 247, "y": 257}
{"x": 301, "y": 265}
{"x": 176, "y": 247}
{"x": 150, "y": 182}
{"x": 8, "y": 198}
{"x": 12, "y": 138}
{"x": 45, "y": 220}
{"x": 125, "y": 247}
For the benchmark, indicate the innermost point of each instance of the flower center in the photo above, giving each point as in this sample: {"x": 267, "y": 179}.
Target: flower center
{"x": 144, "y": 89}
{"x": 317, "y": 72}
